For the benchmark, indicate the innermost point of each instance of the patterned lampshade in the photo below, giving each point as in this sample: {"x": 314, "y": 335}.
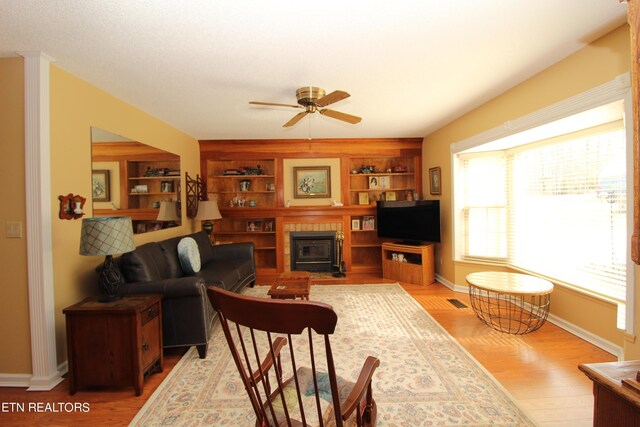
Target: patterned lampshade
{"x": 106, "y": 236}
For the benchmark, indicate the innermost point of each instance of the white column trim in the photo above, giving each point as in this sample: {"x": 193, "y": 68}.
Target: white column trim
{"x": 45, "y": 374}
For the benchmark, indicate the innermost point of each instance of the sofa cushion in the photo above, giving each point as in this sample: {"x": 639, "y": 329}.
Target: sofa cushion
{"x": 170, "y": 250}
{"x": 204, "y": 244}
{"x": 144, "y": 264}
{"x": 189, "y": 255}
{"x": 221, "y": 273}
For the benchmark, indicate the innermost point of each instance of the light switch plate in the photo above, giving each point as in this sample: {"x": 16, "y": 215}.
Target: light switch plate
{"x": 14, "y": 230}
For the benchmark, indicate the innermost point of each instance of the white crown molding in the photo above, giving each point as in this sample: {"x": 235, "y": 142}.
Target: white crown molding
{"x": 45, "y": 374}
{"x": 610, "y": 91}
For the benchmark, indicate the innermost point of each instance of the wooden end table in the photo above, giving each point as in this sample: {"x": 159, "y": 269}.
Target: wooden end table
{"x": 615, "y": 403}
{"x": 291, "y": 285}
{"x": 114, "y": 343}
{"x": 510, "y": 302}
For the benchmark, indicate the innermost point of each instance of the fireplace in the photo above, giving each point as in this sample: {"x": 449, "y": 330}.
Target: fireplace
{"x": 313, "y": 250}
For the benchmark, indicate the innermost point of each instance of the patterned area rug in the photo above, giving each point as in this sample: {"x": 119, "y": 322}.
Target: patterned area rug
{"x": 425, "y": 377}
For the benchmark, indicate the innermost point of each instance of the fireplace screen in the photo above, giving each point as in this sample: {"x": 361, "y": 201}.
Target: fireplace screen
{"x": 313, "y": 251}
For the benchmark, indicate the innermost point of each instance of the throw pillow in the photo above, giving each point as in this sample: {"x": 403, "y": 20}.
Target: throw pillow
{"x": 189, "y": 255}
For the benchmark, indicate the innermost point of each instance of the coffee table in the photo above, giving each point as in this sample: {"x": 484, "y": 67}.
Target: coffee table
{"x": 510, "y": 302}
{"x": 291, "y": 285}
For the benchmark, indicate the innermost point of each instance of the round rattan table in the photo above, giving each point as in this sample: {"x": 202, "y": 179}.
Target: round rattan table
{"x": 510, "y": 302}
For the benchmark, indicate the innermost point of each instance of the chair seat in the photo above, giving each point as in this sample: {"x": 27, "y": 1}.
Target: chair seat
{"x": 307, "y": 390}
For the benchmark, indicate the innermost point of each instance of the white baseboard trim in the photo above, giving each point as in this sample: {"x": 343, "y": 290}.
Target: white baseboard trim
{"x": 27, "y": 380}
{"x": 601, "y": 343}
{"x": 15, "y": 380}
{"x": 454, "y": 287}
{"x": 605, "y": 345}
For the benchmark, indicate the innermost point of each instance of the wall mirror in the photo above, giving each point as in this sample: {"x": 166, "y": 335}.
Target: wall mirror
{"x": 129, "y": 178}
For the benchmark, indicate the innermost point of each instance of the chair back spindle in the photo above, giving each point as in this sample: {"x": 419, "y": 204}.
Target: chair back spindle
{"x": 280, "y": 386}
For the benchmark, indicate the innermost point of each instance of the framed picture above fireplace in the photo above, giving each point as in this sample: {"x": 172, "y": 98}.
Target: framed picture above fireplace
{"x": 312, "y": 182}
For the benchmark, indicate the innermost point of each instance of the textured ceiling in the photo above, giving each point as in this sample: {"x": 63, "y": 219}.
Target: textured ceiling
{"x": 410, "y": 66}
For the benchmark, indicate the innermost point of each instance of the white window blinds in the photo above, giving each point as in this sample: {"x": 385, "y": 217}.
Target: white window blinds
{"x": 485, "y": 206}
{"x": 567, "y": 210}
{"x": 556, "y": 208}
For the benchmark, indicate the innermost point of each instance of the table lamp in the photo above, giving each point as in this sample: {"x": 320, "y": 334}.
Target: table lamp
{"x": 208, "y": 211}
{"x": 107, "y": 236}
{"x": 168, "y": 212}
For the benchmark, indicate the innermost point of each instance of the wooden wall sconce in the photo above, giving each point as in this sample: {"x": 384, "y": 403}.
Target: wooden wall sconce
{"x": 71, "y": 207}
{"x": 195, "y": 192}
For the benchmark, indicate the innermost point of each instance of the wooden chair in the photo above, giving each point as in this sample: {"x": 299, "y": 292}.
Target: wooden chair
{"x": 257, "y": 329}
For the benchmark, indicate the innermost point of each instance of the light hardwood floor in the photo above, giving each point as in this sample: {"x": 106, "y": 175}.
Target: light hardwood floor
{"x": 539, "y": 370}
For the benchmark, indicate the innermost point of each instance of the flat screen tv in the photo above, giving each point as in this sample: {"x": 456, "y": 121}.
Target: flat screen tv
{"x": 412, "y": 222}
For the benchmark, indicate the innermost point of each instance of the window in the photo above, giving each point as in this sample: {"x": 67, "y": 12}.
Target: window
{"x": 564, "y": 208}
{"x": 555, "y": 207}
{"x": 551, "y": 200}
{"x": 567, "y": 210}
{"x": 484, "y": 212}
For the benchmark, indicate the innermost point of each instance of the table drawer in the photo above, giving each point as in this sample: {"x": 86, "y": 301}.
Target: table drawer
{"x": 150, "y": 313}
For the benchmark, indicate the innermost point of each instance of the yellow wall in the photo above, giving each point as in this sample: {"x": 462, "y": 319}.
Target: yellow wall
{"x": 598, "y": 63}
{"x": 15, "y": 357}
{"x": 75, "y": 107}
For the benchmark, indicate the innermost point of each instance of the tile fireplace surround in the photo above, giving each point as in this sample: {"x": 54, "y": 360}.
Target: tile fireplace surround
{"x": 329, "y": 225}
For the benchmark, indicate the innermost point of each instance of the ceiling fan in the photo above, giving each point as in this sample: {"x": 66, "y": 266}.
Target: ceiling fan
{"x": 313, "y": 99}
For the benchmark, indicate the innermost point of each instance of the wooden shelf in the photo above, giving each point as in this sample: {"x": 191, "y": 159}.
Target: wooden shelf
{"x": 154, "y": 194}
{"x": 230, "y": 233}
{"x": 241, "y": 176}
{"x": 360, "y": 190}
{"x": 362, "y": 250}
{"x": 383, "y": 174}
{"x": 246, "y": 192}
{"x": 163, "y": 178}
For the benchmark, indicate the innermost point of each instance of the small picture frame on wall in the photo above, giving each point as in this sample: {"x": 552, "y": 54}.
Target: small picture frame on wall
{"x": 363, "y": 198}
{"x": 355, "y": 224}
{"x": 368, "y": 223}
{"x": 100, "y": 186}
{"x": 435, "y": 181}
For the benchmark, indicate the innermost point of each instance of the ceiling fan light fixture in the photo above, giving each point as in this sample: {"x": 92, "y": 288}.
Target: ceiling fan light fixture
{"x": 312, "y": 99}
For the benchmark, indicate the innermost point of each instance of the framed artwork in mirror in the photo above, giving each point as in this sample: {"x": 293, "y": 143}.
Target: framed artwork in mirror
{"x": 312, "y": 182}
{"x": 100, "y": 186}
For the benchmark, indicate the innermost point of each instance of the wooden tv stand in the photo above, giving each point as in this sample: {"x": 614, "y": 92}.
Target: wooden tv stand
{"x": 419, "y": 268}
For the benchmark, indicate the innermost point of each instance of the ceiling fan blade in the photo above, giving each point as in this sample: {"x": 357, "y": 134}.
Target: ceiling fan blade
{"x": 274, "y": 103}
{"x": 335, "y": 96}
{"x": 341, "y": 116}
{"x": 295, "y": 119}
